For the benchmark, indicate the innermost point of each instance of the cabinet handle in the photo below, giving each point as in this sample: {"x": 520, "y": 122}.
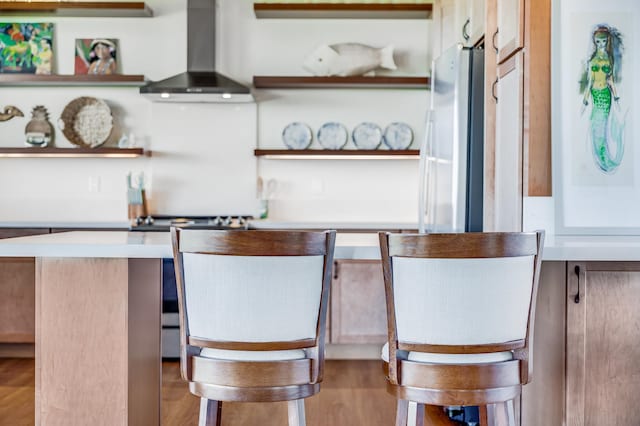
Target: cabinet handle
{"x": 493, "y": 90}
{"x": 335, "y": 270}
{"x": 493, "y": 40}
{"x": 577, "y": 271}
{"x": 465, "y": 34}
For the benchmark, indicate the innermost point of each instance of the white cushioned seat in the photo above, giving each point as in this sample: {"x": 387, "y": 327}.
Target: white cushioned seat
{"x": 449, "y": 358}
{"x": 253, "y": 355}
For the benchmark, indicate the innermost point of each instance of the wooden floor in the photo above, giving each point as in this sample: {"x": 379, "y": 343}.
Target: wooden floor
{"x": 352, "y": 393}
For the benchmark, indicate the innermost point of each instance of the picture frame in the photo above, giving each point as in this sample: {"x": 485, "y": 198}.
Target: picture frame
{"x": 594, "y": 108}
{"x": 26, "y": 48}
{"x": 97, "y": 56}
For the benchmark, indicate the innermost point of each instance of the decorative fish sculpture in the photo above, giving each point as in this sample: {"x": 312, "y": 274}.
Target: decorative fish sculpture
{"x": 9, "y": 112}
{"x": 347, "y": 59}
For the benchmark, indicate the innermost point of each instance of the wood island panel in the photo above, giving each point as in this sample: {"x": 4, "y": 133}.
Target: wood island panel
{"x": 97, "y": 341}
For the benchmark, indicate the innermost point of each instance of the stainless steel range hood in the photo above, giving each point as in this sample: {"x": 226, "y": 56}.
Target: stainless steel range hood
{"x": 201, "y": 83}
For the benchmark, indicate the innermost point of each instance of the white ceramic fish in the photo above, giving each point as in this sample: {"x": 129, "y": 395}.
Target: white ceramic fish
{"x": 347, "y": 59}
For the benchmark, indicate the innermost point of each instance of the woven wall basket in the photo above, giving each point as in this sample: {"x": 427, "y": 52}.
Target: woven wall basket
{"x": 86, "y": 122}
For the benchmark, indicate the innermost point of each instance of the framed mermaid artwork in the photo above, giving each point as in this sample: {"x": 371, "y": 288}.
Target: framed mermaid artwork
{"x": 595, "y": 116}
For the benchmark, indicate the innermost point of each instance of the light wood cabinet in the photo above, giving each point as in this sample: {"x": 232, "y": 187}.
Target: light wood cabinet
{"x": 457, "y": 21}
{"x": 603, "y": 335}
{"x": 509, "y": 35}
{"x": 358, "y": 312}
{"x": 17, "y": 293}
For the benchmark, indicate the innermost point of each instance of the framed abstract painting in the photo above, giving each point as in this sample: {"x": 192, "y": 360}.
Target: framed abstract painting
{"x": 595, "y": 95}
{"x": 26, "y": 48}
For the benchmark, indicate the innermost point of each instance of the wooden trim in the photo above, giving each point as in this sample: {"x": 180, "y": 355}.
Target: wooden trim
{"x": 537, "y": 99}
{"x": 17, "y": 337}
{"x": 507, "y": 66}
{"x": 342, "y": 10}
{"x": 72, "y": 152}
{"x": 250, "y": 373}
{"x": 71, "y": 80}
{"x": 84, "y": 8}
{"x": 490, "y": 81}
{"x": 251, "y": 346}
{"x": 254, "y": 243}
{"x": 463, "y": 245}
{"x": 462, "y": 349}
{"x": 346, "y": 153}
{"x": 377, "y": 82}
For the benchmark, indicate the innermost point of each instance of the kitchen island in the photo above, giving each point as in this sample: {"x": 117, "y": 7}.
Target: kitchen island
{"x": 98, "y": 326}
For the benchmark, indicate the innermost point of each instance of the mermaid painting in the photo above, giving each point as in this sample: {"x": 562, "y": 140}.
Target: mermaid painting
{"x": 598, "y": 84}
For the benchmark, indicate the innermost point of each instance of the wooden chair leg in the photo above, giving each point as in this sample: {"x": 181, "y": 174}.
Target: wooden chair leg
{"x": 483, "y": 415}
{"x": 210, "y": 412}
{"x": 296, "y": 413}
{"x": 402, "y": 412}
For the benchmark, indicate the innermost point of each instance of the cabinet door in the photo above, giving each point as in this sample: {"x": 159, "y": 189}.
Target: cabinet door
{"x": 476, "y": 14}
{"x": 507, "y": 197}
{"x": 543, "y": 397}
{"x": 603, "y": 331}
{"x": 17, "y": 292}
{"x": 358, "y": 312}
{"x": 510, "y": 34}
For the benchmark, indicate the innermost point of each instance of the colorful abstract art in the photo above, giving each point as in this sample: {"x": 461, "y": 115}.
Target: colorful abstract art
{"x": 26, "y": 48}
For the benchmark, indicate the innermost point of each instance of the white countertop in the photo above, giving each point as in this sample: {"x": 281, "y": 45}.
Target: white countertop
{"x": 73, "y": 225}
{"x": 371, "y": 226}
{"x": 348, "y": 246}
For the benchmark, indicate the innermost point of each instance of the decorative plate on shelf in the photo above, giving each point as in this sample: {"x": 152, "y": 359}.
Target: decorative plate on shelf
{"x": 367, "y": 136}
{"x": 333, "y": 135}
{"x": 86, "y": 122}
{"x": 297, "y": 136}
{"x": 398, "y": 136}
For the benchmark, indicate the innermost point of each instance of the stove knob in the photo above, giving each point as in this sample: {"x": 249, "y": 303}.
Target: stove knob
{"x": 139, "y": 220}
{"x": 241, "y": 221}
{"x": 217, "y": 221}
{"x": 226, "y": 221}
{"x": 148, "y": 220}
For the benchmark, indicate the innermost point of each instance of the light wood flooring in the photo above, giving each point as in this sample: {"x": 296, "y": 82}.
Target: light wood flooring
{"x": 352, "y": 393}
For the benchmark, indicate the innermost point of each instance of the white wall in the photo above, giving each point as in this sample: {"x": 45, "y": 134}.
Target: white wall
{"x": 203, "y": 161}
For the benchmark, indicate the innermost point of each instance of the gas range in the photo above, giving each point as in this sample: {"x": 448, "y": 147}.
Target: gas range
{"x": 162, "y": 223}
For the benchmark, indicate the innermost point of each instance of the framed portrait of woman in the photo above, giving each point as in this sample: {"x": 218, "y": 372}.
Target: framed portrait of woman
{"x": 595, "y": 116}
{"x": 96, "y": 56}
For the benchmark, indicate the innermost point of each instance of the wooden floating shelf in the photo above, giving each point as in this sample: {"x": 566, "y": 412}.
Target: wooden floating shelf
{"x": 72, "y": 152}
{"x": 71, "y": 80}
{"x": 358, "y": 82}
{"x": 343, "y": 10}
{"x": 337, "y": 154}
{"x": 105, "y": 9}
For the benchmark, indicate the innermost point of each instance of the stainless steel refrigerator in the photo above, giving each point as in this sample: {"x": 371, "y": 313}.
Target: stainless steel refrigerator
{"x": 451, "y": 154}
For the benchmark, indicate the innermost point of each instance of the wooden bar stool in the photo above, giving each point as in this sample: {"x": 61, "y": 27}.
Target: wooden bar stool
{"x": 460, "y": 310}
{"x": 253, "y": 308}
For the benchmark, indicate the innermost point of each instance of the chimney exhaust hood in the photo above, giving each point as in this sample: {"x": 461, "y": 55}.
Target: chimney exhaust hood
{"x": 200, "y": 83}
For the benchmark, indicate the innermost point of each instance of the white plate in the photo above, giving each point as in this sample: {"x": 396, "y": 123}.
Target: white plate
{"x": 367, "y": 136}
{"x": 398, "y": 136}
{"x": 297, "y": 136}
{"x": 333, "y": 135}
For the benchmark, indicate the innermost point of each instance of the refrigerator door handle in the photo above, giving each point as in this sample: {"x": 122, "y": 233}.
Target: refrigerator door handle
{"x": 423, "y": 171}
